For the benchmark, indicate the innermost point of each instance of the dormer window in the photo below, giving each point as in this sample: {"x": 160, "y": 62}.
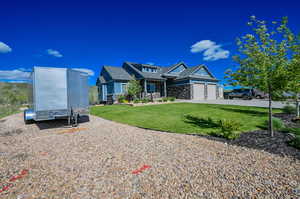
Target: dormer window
{"x": 149, "y": 69}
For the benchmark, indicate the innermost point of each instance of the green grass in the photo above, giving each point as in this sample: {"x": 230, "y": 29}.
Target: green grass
{"x": 172, "y": 117}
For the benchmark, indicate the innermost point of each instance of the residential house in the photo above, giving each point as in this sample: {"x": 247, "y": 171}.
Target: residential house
{"x": 178, "y": 81}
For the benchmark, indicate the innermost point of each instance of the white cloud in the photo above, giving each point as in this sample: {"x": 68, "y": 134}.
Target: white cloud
{"x": 16, "y": 74}
{"x": 4, "y": 48}
{"x": 211, "y": 51}
{"x": 54, "y": 53}
{"x": 85, "y": 70}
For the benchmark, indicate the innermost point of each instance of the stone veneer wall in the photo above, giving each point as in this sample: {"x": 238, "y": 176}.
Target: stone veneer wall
{"x": 179, "y": 91}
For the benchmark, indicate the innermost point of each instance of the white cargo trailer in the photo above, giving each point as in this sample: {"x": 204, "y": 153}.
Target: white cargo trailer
{"x": 57, "y": 93}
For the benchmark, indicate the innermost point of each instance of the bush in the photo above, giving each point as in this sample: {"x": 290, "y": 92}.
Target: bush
{"x": 121, "y": 99}
{"x": 160, "y": 100}
{"x": 229, "y": 125}
{"x": 295, "y": 131}
{"x": 295, "y": 142}
{"x": 145, "y": 100}
{"x": 278, "y": 124}
{"x": 289, "y": 109}
{"x": 165, "y": 99}
{"x": 171, "y": 99}
{"x": 137, "y": 101}
{"x": 229, "y": 129}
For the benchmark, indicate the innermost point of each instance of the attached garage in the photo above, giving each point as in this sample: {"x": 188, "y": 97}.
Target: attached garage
{"x": 211, "y": 92}
{"x": 220, "y": 92}
{"x": 198, "y": 91}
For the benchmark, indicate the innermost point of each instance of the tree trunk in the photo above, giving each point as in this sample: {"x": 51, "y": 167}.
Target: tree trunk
{"x": 270, "y": 113}
{"x": 297, "y": 107}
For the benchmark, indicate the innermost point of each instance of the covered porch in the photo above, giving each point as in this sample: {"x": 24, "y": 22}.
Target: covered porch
{"x": 154, "y": 88}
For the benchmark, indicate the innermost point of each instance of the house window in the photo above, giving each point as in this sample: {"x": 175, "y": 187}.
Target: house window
{"x": 124, "y": 88}
{"x": 150, "y": 88}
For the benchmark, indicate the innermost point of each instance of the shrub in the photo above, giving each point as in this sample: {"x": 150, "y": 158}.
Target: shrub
{"x": 145, "y": 100}
{"x": 160, "y": 100}
{"x": 133, "y": 89}
{"x": 137, "y": 101}
{"x": 295, "y": 131}
{"x": 121, "y": 99}
{"x": 229, "y": 125}
{"x": 165, "y": 99}
{"x": 289, "y": 109}
{"x": 278, "y": 124}
{"x": 171, "y": 99}
{"x": 229, "y": 129}
{"x": 295, "y": 142}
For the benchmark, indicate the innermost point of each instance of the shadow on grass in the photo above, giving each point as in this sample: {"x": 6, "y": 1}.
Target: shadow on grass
{"x": 59, "y": 123}
{"x": 245, "y": 111}
{"x": 201, "y": 122}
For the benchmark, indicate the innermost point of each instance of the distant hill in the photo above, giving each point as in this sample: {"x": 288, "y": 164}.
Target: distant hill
{"x": 93, "y": 95}
{"x": 17, "y": 93}
{"x": 13, "y": 93}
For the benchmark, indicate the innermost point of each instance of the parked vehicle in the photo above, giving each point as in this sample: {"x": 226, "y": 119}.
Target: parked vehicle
{"x": 246, "y": 94}
{"x": 57, "y": 93}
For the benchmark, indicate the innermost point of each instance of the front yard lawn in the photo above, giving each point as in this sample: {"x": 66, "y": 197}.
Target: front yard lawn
{"x": 174, "y": 117}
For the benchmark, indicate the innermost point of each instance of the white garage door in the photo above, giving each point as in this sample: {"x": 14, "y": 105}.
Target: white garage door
{"x": 198, "y": 91}
{"x": 221, "y": 92}
{"x": 211, "y": 92}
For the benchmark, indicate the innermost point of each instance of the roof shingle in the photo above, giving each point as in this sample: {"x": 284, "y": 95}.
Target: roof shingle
{"x": 117, "y": 73}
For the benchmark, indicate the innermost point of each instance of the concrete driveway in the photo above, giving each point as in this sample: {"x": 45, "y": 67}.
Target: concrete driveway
{"x": 239, "y": 102}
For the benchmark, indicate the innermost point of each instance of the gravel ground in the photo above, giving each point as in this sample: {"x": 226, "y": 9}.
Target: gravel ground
{"x": 97, "y": 161}
{"x": 240, "y": 102}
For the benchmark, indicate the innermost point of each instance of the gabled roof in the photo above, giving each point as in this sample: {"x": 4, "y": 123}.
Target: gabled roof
{"x": 102, "y": 80}
{"x": 117, "y": 73}
{"x": 147, "y": 75}
{"x": 189, "y": 73}
{"x": 169, "y": 69}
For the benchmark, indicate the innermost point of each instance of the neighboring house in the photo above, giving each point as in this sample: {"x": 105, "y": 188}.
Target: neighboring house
{"x": 178, "y": 81}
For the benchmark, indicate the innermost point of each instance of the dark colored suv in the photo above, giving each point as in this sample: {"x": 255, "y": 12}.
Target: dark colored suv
{"x": 246, "y": 94}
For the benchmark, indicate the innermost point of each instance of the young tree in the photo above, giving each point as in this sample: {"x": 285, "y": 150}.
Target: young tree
{"x": 294, "y": 66}
{"x": 263, "y": 60}
{"x": 133, "y": 89}
{"x": 294, "y": 84}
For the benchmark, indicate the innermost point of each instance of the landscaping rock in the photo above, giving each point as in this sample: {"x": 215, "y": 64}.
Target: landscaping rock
{"x": 98, "y": 162}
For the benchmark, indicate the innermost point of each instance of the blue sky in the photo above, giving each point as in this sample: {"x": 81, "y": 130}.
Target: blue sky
{"x": 90, "y": 34}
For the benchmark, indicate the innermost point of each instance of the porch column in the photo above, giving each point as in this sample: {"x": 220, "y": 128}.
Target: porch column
{"x": 165, "y": 88}
{"x": 145, "y": 87}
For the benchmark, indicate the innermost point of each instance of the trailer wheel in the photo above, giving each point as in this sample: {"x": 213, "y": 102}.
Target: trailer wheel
{"x": 28, "y": 117}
